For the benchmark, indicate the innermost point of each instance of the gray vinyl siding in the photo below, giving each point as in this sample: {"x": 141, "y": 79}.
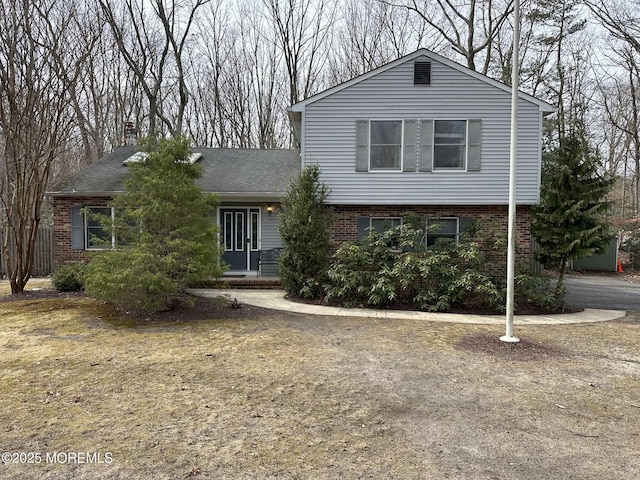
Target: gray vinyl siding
{"x": 330, "y": 139}
{"x": 270, "y": 236}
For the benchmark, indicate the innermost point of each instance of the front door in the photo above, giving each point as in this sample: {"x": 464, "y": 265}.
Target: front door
{"x": 239, "y": 229}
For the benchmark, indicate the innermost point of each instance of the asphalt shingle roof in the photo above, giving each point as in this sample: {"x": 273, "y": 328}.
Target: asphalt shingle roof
{"x": 227, "y": 171}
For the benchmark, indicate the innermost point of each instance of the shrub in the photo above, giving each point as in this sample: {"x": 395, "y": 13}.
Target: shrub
{"x": 69, "y": 277}
{"x": 440, "y": 278}
{"x": 304, "y": 224}
{"x": 444, "y": 277}
{"x": 165, "y": 231}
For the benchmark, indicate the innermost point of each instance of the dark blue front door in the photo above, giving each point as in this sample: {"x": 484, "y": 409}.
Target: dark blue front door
{"x": 239, "y": 229}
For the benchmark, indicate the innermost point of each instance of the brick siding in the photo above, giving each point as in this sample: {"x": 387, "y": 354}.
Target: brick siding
{"x": 494, "y": 217}
{"x": 62, "y": 251}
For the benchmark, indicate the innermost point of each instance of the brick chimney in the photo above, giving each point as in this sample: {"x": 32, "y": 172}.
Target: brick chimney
{"x": 130, "y": 134}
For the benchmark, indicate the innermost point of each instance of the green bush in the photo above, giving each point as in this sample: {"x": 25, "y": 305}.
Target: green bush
{"x": 166, "y": 236}
{"x": 443, "y": 277}
{"x": 303, "y": 225}
{"x": 69, "y": 277}
{"x": 536, "y": 291}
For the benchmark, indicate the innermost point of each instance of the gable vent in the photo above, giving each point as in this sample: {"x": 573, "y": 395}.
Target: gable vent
{"x": 422, "y": 73}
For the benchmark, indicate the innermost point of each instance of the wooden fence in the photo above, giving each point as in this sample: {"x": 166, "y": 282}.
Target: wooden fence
{"x": 43, "y": 259}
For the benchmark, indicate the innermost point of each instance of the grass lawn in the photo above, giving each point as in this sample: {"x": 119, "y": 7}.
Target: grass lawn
{"x": 252, "y": 393}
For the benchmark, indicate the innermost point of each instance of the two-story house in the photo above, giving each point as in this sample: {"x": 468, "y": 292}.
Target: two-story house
{"x": 422, "y": 134}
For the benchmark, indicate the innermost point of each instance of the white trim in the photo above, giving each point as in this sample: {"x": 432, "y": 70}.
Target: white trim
{"x": 386, "y": 170}
{"x": 435, "y": 169}
{"x": 246, "y": 209}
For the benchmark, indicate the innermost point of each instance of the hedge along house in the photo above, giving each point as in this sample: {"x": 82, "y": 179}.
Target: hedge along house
{"x": 423, "y": 135}
{"x": 420, "y": 135}
{"x": 248, "y": 182}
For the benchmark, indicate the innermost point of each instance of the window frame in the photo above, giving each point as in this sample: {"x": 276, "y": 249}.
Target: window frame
{"x": 87, "y": 234}
{"x": 465, "y": 160}
{"x": 371, "y": 219}
{"x": 441, "y": 235}
{"x": 400, "y": 145}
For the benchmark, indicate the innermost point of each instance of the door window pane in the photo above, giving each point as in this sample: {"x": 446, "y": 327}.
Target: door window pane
{"x": 254, "y": 231}
{"x": 240, "y": 239}
{"x": 228, "y": 231}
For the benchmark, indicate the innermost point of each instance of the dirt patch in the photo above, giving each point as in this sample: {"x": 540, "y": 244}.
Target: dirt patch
{"x": 224, "y": 392}
{"x": 524, "y": 350}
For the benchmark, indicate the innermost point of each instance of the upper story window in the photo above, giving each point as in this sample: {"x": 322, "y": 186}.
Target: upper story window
{"x": 385, "y": 144}
{"x": 418, "y": 145}
{"x": 450, "y": 144}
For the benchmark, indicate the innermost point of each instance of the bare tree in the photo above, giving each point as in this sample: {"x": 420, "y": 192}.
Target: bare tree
{"x": 152, "y": 41}
{"x": 302, "y": 31}
{"x": 470, "y": 27}
{"x": 35, "y": 120}
{"x": 373, "y": 33}
{"x": 621, "y": 92}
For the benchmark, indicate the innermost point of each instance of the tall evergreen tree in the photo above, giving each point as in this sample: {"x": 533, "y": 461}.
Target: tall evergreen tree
{"x": 568, "y": 224}
{"x": 166, "y": 237}
{"x": 304, "y": 224}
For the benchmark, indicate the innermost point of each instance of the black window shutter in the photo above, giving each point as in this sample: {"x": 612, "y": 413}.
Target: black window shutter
{"x": 363, "y": 225}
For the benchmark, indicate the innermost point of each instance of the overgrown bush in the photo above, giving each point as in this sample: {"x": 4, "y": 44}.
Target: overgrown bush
{"x": 69, "y": 277}
{"x": 304, "y": 223}
{"x": 443, "y": 277}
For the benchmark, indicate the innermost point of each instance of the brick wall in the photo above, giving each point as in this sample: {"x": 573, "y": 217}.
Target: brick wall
{"x": 62, "y": 251}
{"x": 494, "y": 217}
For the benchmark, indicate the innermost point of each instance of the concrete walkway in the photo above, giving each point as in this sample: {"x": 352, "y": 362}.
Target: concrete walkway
{"x": 275, "y": 300}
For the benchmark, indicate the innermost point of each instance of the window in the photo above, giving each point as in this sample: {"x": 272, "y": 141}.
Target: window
{"x": 382, "y": 224}
{"x": 385, "y": 147}
{"x": 366, "y": 225}
{"x": 239, "y": 233}
{"x": 254, "y": 231}
{"x": 228, "y": 231}
{"x": 97, "y": 238}
{"x": 450, "y": 144}
{"x": 438, "y": 228}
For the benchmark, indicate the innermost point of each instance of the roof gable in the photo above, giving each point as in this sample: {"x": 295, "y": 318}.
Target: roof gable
{"x": 301, "y": 106}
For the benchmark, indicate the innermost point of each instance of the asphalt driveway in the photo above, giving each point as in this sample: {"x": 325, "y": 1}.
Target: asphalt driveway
{"x": 604, "y": 292}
